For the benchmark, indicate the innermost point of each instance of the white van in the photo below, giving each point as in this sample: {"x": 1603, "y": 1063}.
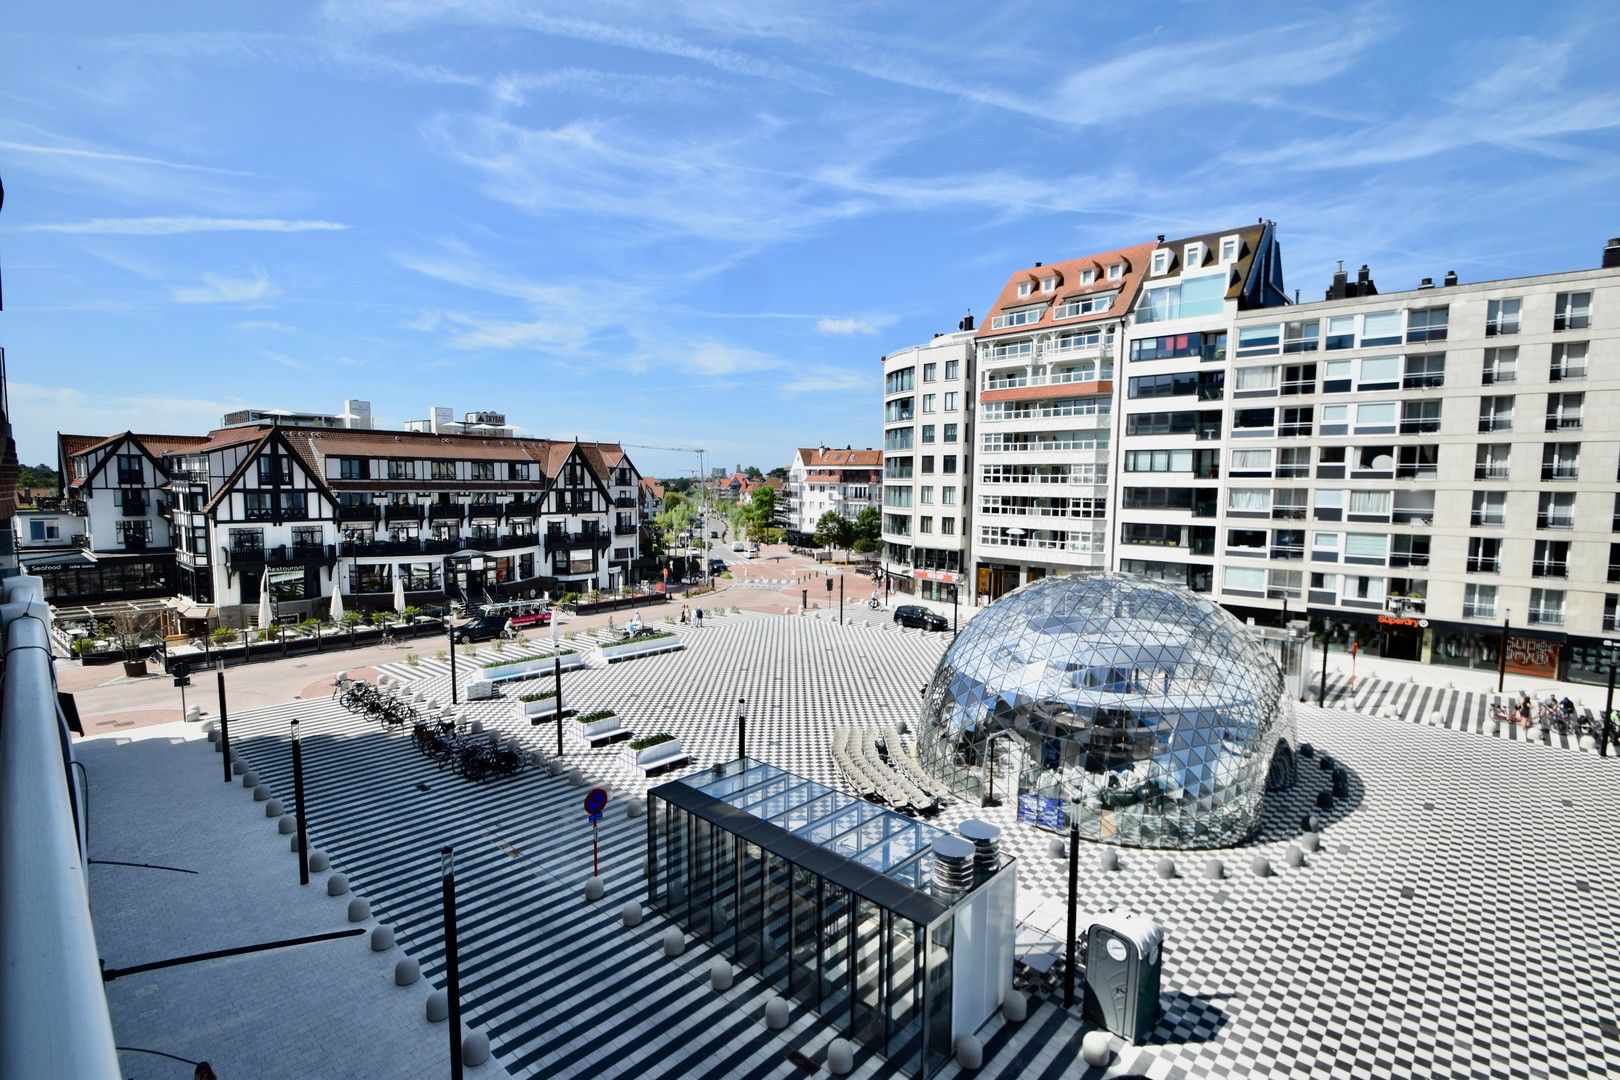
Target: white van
{"x": 738, "y": 545}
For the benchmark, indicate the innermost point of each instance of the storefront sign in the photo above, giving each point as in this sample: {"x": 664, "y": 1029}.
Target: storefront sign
{"x": 1396, "y": 620}
{"x": 1532, "y": 656}
{"x": 938, "y": 575}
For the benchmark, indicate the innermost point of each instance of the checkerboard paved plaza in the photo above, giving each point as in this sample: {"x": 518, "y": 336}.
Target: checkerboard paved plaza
{"x": 1457, "y": 920}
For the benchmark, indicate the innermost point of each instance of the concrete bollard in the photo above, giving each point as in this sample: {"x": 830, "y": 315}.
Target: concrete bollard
{"x": 477, "y": 727}
{"x": 213, "y": 737}
{"x": 1214, "y": 869}
{"x": 359, "y": 909}
{"x": 1015, "y": 1007}
{"x": 407, "y": 972}
{"x": 840, "y": 1056}
{"x": 273, "y": 808}
{"x": 337, "y": 885}
{"x": 575, "y": 778}
{"x": 438, "y": 1007}
{"x": 250, "y": 779}
{"x": 720, "y": 975}
{"x": 382, "y": 939}
{"x": 1310, "y": 841}
{"x": 674, "y": 942}
{"x": 1057, "y": 847}
{"x": 1096, "y": 1049}
{"x": 554, "y": 768}
{"x": 288, "y": 824}
{"x": 1295, "y": 856}
{"x": 475, "y": 1048}
{"x": 1588, "y": 742}
{"x": 969, "y": 1053}
{"x": 1260, "y": 866}
{"x": 634, "y": 808}
{"x": 594, "y": 889}
{"x": 776, "y": 1013}
{"x": 1167, "y": 867}
{"x": 292, "y": 844}
{"x": 630, "y": 914}
{"x": 237, "y": 768}
{"x": 1109, "y": 859}
{"x": 319, "y": 862}
{"x": 261, "y": 792}
{"x": 1324, "y": 800}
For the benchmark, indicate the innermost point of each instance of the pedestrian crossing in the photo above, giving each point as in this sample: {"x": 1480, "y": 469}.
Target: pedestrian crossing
{"x": 1443, "y": 707}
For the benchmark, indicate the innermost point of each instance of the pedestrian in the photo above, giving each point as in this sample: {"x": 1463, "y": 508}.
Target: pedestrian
{"x": 554, "y": 633}
{"x": 697, "y": 618}
{"x": 683, "y": 615}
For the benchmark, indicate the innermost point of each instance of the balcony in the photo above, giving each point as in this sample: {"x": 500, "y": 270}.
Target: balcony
{"x": 1422, "y": 425}
{"x": 245, "y": 557}
{"x": 1490, "y": 472}
{"x": 625, "y": 530}
{"x": 1484, "y": 564}
{"x": 1496, "y": 423}
{"x": 1563, "y": 421}
{"x": 1560, "y": 472}
{"x": 1487, "y": 519}
{"x": 1555, "y": 520}
{"x": 1286, "y": 431}
{"x": 359, "y": 513}
{"x": 485, "y": 511}
{"x": 1423, "y": 382}
{"x": 1479, "y": 611}
{"x": 1287, "y": 551}
{"x": 624, "y": 502}
{"x": 566, "y": 541}
{"x": 1547, "y": 616}
{"x": 446, "y": 511}
{"x": 1288, "y": 513}
{"x": 1549, "y": 569}
{"x": 399, "y": 512}
{"x": 523, "y": 508}
{"x": 128, "y": 478}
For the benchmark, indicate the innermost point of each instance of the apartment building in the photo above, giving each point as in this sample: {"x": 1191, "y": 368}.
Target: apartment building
{"x": 927, "y": 465}
{"x": 822, "y": 480}
{"x": 318, "y": 509}
{"x": 1044, "y": 402}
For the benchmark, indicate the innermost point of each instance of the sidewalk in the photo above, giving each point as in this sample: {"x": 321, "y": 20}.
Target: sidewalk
{"x": 1478, "y": 680}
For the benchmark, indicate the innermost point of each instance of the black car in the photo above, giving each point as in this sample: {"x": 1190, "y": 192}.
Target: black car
{"x": 483, "y": 628}
{"x": 717, "y": 566}
{"x": 912, "y": 615}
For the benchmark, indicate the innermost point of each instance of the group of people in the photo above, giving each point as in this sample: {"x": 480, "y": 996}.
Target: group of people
{"x": 694, "y": 617}
{"x": 1525, "y": 711}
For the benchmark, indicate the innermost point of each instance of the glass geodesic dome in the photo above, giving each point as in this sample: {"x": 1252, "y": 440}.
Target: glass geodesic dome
{"x": 1146, "y": 710}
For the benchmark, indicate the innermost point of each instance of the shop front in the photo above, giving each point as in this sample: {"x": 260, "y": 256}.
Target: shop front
{"x": 941, "y": 585}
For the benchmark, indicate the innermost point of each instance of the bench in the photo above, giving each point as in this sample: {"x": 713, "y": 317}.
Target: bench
{"x": 602, "y": 732}
{"x": 665, "y": 755}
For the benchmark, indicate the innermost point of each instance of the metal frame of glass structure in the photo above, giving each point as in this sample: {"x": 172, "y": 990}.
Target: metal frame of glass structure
{"x": 1145, "y": 709}
{"x": 823, "y": 896}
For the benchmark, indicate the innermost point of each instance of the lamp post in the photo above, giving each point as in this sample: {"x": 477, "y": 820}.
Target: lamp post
{"x": 1608, "y": 702}
{"x": 1501, "y": 651}
{"x": 1074, "y": 891}
{"x": 956, "y": 591}
{"x": 224, "y": 723}
{"x": 1327, "y": 630}
{"x": 452, "y": 972}
{"x": 742, "y": 728}
{"x": 450, "y": 632}
{"x": 840, "y": 599}
{"x": 556, "y": 674}
{"x": 298, "y": 806}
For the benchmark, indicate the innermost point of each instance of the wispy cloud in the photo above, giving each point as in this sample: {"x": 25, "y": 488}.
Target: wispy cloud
{"x": 293, "y": 362}
{"x": 219, "y": 289}
{"x": 176, "y": 226}
{"x": 851, "y": 325}
{"x": 828, "y": 380}
{"x": 91, "y": 154}
{"x": 254, "y": 326}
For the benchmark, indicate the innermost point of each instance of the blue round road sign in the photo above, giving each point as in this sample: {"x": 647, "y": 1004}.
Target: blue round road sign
{"x": 595, "y": 801}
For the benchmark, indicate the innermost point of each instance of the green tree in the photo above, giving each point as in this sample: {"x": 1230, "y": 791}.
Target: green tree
{"x": 778, "y": 473}
{"x": 753, "y": 473}
{"x": 868, "y": 529}
{"x": 761, "y": 513}
{"x": 835, "y": 530}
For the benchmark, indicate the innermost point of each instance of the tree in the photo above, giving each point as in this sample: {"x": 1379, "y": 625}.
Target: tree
{"x": 753, "y": 473}
{"x": 778, "y": 473}
{"x": 761, "y": 514}
{"x": 835, "y": 530}
{"x": 868, "y": 529}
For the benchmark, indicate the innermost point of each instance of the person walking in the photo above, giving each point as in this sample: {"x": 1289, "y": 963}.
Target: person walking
{"x": 697, "y": 618}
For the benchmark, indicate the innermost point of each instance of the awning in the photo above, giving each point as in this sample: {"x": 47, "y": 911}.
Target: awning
{"x": 55, "y": 560}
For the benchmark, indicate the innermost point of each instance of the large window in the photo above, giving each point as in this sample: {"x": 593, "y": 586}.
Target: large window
{"x": 1018, "y": 317}
{"x": 354, "y": 468}
{"x": 898, "y": 410}
{"x": 1185, "y": 299}
{"x": 401, "y": 469}
{"x": 899, "y": 381}
{"x": 1380, "y": 328}
{"x": 1502, "y": 317}
{"x": 1501, "y": 365}
{"x": 1572, "y": 311}
{"x": 1568, "y": 361}
{"x": 1085, "y": 305}
{"x": 1496, "y": 413}
{"x": 1207, "y": 346}
{"x": 1479, "y": 601}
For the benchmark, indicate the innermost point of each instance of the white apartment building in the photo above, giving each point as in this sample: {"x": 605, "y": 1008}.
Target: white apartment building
{"x": 927, "y": 464}
{"x": 1044, "y": 388}
{"x": 822, "y": 480}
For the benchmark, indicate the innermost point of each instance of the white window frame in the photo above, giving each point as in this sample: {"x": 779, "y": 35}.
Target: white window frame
{"x": 1193, "y": 254}
{"x": 1116, "y": 271}
{"x": 1161, "y": 263}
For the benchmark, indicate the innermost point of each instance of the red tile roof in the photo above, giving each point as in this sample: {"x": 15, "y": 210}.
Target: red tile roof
{"x": 1069, "y": 274}
{"x": 812, "y": 457}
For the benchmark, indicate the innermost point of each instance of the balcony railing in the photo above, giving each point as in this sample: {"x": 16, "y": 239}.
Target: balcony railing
{"x": 281, "y": 555}
{"x": 566, "y": 541}
{"x": 484, "y": 510}
{"x": 625, "y": 530}
{"x": 359, "y": 513}
{"x": 1484, "y": 565}
{"x": 1563, "y": 421}
{"x": 1560, "y": 472}
{"x": 1287, "y": 551}
{"x": 1555, "y": 520}
{"x": 1547, "y": 616}
{"x": 1408, "y": 559}
{"x": 397, "y": 512}
{"x": 1487, "y": 520}
{"x": 1495, "y": 423}
{"x": 1549, "y": 569}
{"x": 524, "y": 508}
{"x": 1421, "y": 425}
{"x": 1479, "y": 611}
{"x": 446, "y": 511}
{"x": 1566, "y": 372}
{"x": 624, "y": 502}
{"x": 1490, "y": 472}
{"x": 1423, "y": 382}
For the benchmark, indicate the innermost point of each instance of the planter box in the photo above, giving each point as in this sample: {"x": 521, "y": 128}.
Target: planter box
{"x": 614, "y": 653}
{"x": 618, "y": 604}
{"x": 543, "y": 707}
{"x": 665, "y": 755}
{"x": 528, "y": 668}
{"x": 601, "y": 732}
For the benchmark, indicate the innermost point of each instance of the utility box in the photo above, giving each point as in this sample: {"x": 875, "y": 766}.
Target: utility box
{"x": 1124, "y": 957}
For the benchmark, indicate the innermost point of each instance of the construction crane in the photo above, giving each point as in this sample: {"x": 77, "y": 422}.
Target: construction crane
{"x": 703, "y": 489}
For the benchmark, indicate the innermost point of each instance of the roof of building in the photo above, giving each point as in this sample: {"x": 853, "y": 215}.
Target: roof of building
{"x": 1069, "y": 274}
{"x": 652, "y": 487}
{"x": 1249, "y": 237}
{"x": 821, "y": 457}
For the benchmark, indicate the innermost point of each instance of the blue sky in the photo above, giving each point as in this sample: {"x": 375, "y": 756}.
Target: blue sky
{"x": 702, "y": 225}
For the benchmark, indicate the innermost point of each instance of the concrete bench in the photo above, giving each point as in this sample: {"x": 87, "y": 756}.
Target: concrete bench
{"x": 602, "y": 732}
{"x": 664, "y": 755}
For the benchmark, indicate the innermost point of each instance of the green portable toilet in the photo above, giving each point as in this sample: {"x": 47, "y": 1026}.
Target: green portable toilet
{"x": 1124, "y": 957}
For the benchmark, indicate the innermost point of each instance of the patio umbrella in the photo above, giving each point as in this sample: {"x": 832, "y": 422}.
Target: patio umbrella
{"x": 264, "y": 602}
{"x": 399, "y": 594}
{"x": 337, "y": 598}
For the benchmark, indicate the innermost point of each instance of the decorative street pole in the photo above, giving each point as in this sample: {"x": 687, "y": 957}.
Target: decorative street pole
{"x": 450, "y": 632}
{"x": 224, "y": 724}
{"x": 1327, "y": 629}
{"x": 1608, "y": 703}
{"x": 298, "y": 802}
{"x": 556, "y": 673}
{"x": 452, "y": 974}
{"x": 742, "y": 726}
{"x": 840, "y": 599}
{"x": 956, "y": 591}
{"x": 1074, "y": 890}
{"x": 1501, "y": 652}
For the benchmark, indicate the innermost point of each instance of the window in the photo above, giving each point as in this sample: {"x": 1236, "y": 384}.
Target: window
{"x": 1366, "y": 548}
{"x": 1251, "y": 462}
{"x": 927, "y": 464}
{"x": 1484, "y": 554}
{"x": 1490, "y": 510}
{"x": 1479, "y": 601}
{"x": 898, "y": 382}
{"x": 1161, "y": 262}
{"x": 1551, "y": 559}
{"x": 1255, "y": 379}
{"x": 953, "y": 369}
{"x": 1259, "y": 340}
{"x": 1556, "y": 510}
{"x": 1116, "y": 271}
{"x": 928, "y": 402}
{"x": 1193, "y": 255}
{"x": 134, "y": 533}
{"x": 1207, "y": 346}
{"x": 1426, "y": 371}
{"x": 519, "y": 470}
{"x": 1296, "y": 421}
{"x": 1572, "y": 311}
{"x": 1496, "y": 413}
{"x": 1369, "y": 503}
{"x": 950, "y": 400}
{"x": 274, "y": 469}
{"x": 1427, "y": 324}
{"x": 1088, "y": 275}
{"x": 1158, "y": 461}
{"x": 947, "y": 463}
{"x": 925, "y": 525}
{"x": 1229, "y": 248}
{"x": 947, "y": 526}
{"x": 1048, "y": 284}
{"x": 1341, "y": 332}
{"x": 1018, "y": 317}
{"x": 1248, "y": 500}
{"x": 354, "y": 468}
{"x": 1325, "y": 547}
{"x": 485, "y": 470}
{"x": 1301, "y": 336}
{"x": 897, "y": 439}
{"x": 925, "y": 495}
{"x": 1254, "y": 420}
{"x": 1378, "y": 416}
{"x": 1501, "y": 366}
{"x": 1491, "y": 461}
{"x": 1420, "y": 417}
{"x": 1379, "y": 373}
{"x": 1085, "y": 305}
{"x": 1546, "y": 607}
{"x": 44, "y": 530}
{"x": 247, "y": 539}
{"x": 898, "y": 410}
{"x": 1568, "y": 361}
{"x": 929, "y": 371}
{"x": 1560, "y": 461}
{"x": 1294, "y": 461}
{"x": 1564, "y": 412}
{"x": 927, "y": 433}
{"x": 1024, "y": 288}
{"x": 1185, "y": 299}
{"x": 401, "y": 469}
{"x": 444, "y": 470}
{"x": 1380, "y": 328}
{"x": 947, "y": 495}
{"x": 950, "y": 433}
{"x": 1250, "y": 579}
{"x": 1502, "y": 317}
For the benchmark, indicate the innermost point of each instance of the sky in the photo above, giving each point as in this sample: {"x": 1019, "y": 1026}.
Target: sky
{"x": 702, "y": 225}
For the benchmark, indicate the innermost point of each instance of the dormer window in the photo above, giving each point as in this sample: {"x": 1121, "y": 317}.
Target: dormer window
{"x": 1116, "y": 271}
{"x": 1229, "y": 249}
{"x": 1161, "y": 262}
{"x": 1194, "y": 255}
{"x": 1024, "y": 288}
{"x": 1048, "y": 284}
{"x": 1088, "y": 275}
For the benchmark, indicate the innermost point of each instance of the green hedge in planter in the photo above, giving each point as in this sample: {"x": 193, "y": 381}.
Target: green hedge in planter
{"x": 599, "y": 714}
{"x": 505, "y": 660}
{"x": 541, "y": 695}
{"x": 651, "y": 740}
{"x": 638, "y": 638}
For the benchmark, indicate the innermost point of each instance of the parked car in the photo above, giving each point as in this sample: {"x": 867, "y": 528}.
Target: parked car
{"x": 915, "y": 615}
{"x": 483, "y": 628}
{"x": 738, "y": 545}
{"x": 717, "y": 566}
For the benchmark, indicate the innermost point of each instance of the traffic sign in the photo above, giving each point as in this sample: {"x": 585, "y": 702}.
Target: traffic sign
{"x": 595, "y": 802}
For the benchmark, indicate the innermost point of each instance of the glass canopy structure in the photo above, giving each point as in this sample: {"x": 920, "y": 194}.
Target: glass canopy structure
{"x": 832, "y": 900}
{"x": 1146, "y": 710}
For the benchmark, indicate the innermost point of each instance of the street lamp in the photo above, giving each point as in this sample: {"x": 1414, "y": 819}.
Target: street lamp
{"x": 450, "y": 632}
{"x": 1608, "y": 702}
{"x": 298, "y": 806}
{"x": 1501, "y": 652}
{"x": 955, "y": 593}
{"x": 1074, "y": 890}
{"x": 452, "y": 970}
{"x": 742, "y": 728}
{"x": 1327, "y": 631}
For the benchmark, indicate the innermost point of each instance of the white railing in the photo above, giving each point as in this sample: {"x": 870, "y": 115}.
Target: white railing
{"x": 1062, "y": 378}
{"x": 53, "y": 1008}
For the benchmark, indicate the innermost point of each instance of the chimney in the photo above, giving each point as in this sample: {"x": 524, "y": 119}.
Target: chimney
{"x": 1161, "y": 238}
{"x": 966, "y": 323}
{"x": 1451, "y": 278}
{"x": 1426, "y": 283}
{"x": 1039, "y": 265}
{"x": 1340, "y": 288}
{"x": 1611, "y": 253}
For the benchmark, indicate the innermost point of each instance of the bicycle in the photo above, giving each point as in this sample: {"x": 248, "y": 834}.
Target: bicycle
{"x": 874, "y": 603}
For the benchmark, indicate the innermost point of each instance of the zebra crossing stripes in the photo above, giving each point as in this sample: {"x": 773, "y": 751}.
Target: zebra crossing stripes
{"x": 1446, "y": 707}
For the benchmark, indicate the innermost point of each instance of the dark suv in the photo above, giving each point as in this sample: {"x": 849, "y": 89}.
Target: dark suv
{"x": 483, "y": 628}
{"x": 913, "y": 615}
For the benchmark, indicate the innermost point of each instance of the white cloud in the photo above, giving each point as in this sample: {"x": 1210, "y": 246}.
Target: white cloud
{"x": 86, "y": 153}
{"x": 175, "y": 226}
{"x": 831, "y": 380}
{"x": 219, "y": 289}
{"x": 851, "y": 325}
{"x": 267, "y": 325}
{"x": 39, "y": 412}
